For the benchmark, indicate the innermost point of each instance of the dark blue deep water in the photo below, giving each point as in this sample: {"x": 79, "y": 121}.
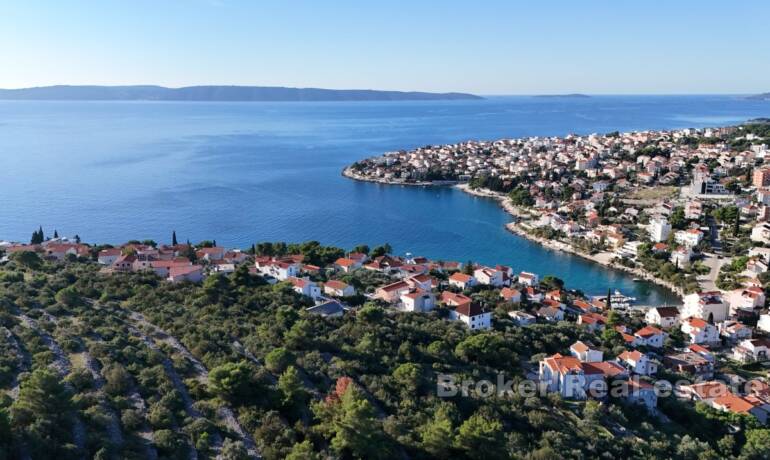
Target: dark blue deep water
{"x": 247, "y": 172}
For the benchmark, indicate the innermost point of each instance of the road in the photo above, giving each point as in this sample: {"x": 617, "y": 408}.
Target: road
{"x": 708, "y": 282}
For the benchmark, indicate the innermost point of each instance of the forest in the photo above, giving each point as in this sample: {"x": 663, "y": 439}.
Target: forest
{"x": 130, "y": 366}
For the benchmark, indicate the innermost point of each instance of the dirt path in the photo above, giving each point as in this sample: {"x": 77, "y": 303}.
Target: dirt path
{"x": 25, "y": 362}
{"x": 226, "y": 414}
{"x": 62, "y": 366}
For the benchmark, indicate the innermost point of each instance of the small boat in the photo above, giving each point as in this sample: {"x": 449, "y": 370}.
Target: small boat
{"x": 637, "y": 280}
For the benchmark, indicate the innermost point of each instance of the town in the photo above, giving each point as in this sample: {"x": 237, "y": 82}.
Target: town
{"x": 717, "y": 341}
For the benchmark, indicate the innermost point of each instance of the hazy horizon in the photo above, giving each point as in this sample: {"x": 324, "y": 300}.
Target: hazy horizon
{"x": 564, "y": 93}
{"x": 488, "y": 48}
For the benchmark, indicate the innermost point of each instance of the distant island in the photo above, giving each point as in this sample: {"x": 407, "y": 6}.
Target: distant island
{"x": 219, "y": 93}
{"x": 761, "y": 97}
{"x": 571, "y": 95}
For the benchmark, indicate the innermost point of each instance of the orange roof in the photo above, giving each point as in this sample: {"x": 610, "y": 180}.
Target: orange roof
{"x": 460, "y": 277}
{"x": 580, "y": 347}
{"x": 343, "y": 262}
{"x": 733, "y": 403}
{"x": 648, "y": 331}
{"x": 696, "y": 322}
{"x": 566, "y": 364}
{"x": 508, "y": 293}
{"x": 635, "y": 355}
{"x": 335, "y": 284}
{"x": 709, "y": 390}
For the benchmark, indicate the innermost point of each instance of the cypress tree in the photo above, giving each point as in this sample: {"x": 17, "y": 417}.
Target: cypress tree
{"x": 173, "y": 238}
{"x": 609, "y": 299}
{"x": 55, "y": 234}
{"x": 41, "y": 234}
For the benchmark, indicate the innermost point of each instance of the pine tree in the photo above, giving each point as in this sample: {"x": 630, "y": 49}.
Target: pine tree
{"x": 173, "y": 238}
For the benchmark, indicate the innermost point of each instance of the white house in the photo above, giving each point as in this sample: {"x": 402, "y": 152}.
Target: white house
{"x": 585, "y": 353}
{"x": 191, "y": 273}
{"x": 109, "y": 256}
{"x": 659, "y": 229}
{"x": 734, "y": 331}
{"x": 522, "y": 318}
{"x": 528, "y": 279}
{"x": 705, "y": 304}
{"x": 347, "y": 265}
{"x": 472, "y": 316}
{"x": 690, "y": 238}
{"x": 569, "y": 376}
{"x": 699, "y": 331}
{"x": 761, "y": 233}
{"x": 638, "y": 363}
{"x": 510, "y": 294}
{"x": 746, "y": 299}
{"x": 664, "y": 317}
{"x": 764, "y": 323}
{"x": 278, "y": 269}
{"x": 305, "y": 286}
{"x": 418, "y": 300}
{"x": 752, "y": 350}
{"x": 681, "y": 257}
{"x": 461, "y": 280}
{"x": 651, "y": 336}
{"x": 639, "y": 392}
{"x": 338, "y": 288}
{"x": 489, "y": 276}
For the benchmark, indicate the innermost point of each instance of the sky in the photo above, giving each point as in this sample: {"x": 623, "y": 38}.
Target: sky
{"x": 482, "y": 47}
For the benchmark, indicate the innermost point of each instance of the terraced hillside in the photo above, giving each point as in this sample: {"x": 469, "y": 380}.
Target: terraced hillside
{"x": 130, "y": 366}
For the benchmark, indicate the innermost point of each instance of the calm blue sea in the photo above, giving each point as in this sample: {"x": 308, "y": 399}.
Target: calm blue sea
{"x": 247, "y": 172}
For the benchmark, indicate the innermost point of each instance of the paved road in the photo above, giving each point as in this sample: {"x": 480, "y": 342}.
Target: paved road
{"x": 708, "y": 282}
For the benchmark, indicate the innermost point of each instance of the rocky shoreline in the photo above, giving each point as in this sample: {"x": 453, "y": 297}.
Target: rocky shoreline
{"x": 603, "y": 259}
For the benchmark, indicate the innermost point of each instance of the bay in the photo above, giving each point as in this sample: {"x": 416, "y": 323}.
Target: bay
{"x": 248, "y": 172}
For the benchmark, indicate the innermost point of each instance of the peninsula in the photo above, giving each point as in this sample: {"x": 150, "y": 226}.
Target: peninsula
{"x": 219, "y": 93}
{"x": 687, "y": 209}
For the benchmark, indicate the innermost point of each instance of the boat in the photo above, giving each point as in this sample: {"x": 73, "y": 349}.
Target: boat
{"x": 637, "y": 280}
{"x": 618, "y": 300}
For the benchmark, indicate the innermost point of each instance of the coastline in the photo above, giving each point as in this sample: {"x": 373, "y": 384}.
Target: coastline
{"x": 603, "y": 259}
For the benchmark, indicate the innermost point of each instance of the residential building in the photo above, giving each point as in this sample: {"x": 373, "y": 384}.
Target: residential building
{"x": 461, "y": 280}
{"x": 752, "y": 350}
{"x": 473, "y": 316}
{"x": 651, "y": 336}
{"x": 522, "y": 318}
{"x": 637, "y": 362}
{"x": 338, "y": 288}
{"x": 705, "y": 305}
{"x": 699, "y": 331}
{"x": 489, "y": 276}
{"x": 585, "y": 353}
{"x": 304, "y": 286}
{"x": 569, "y": 376}
{"x": 664, "y": 317}
{"x": 659, "y": 229}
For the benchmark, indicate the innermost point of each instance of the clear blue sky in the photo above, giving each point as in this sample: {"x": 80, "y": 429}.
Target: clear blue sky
{"x": 486, "y": 47}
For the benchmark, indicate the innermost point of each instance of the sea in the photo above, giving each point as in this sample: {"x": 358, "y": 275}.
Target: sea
{"x": 246, "y": 172}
